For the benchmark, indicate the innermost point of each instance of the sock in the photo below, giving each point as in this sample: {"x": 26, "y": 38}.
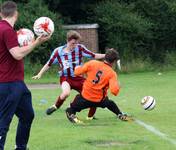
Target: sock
{"x": 92, "y": 111}
{"x": 59, "y": 102}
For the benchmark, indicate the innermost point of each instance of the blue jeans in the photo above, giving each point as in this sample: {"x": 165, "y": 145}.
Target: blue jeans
{"x": 15, "y": 98}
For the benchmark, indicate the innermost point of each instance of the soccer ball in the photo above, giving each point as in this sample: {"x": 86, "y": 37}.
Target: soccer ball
{"x": 43, "y": 26}
{"x": 148, "y": 102}
{"x": 25, "y": 37}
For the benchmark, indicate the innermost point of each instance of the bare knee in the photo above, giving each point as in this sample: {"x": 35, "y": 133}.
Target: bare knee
{"x": 64, "y": 95}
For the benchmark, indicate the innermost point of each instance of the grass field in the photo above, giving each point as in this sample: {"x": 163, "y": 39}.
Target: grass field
{"x": 55, "y": 132}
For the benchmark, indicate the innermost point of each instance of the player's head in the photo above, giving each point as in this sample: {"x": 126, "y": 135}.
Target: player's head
{"x": 73, "y": 38}
{"x": 9, "y": 10}
{"x": 111, "y": 55}
{"x": 73, "y": 35}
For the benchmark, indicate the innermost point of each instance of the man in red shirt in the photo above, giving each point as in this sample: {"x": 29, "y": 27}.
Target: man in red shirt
{"x": 15, "y": 98}
{"x": 99, "y": 78}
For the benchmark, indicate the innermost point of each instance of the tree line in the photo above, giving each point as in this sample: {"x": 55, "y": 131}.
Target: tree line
{"x": 143, "y": 29}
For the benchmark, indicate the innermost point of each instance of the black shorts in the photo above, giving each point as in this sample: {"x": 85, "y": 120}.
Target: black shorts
{"x": 81, "y": 103}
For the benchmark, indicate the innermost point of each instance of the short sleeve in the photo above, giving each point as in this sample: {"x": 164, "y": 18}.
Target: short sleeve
{"x": 87, "y": 53}
{"x": 10, "y": 39}
{"x": 53, "y": 58}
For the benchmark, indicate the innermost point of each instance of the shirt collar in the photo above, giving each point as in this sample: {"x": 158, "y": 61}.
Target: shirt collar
{"x": 6, "y": 22}
{"x": 107, "y": 64}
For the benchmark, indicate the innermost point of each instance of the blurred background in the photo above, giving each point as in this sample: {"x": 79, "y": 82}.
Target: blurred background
{"x": 143, "y": 31}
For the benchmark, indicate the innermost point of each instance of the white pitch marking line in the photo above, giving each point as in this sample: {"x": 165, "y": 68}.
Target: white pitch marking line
{"x": 155, "y": 131}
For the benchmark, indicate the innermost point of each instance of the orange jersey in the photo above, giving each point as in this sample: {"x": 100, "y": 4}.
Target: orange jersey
{"x": 100, "y": 77}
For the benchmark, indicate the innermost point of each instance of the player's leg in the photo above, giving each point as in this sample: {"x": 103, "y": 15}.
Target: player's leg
{"x": 78, "y": 104}
{"x": 91, "y": 113}
{"x": 111, "y": 105}
{"x": 65, "y": 93}
{"x": 71, "y": 112}
{"x": 65, "y": 86}
{"x": 25, "y": 114}
{"x": 77, "y": 83}
{"x": 10, "y": 94}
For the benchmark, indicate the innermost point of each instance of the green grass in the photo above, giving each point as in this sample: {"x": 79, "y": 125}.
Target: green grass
{"x": 50, "y": 76}
{"x": 46, "y": 78}
{"x": 55, "y": 132}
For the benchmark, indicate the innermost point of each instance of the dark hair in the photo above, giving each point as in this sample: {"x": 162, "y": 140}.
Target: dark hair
{"x": 111, "y": 55}
{"x": 73, "y": 35}
{"x": 8, "y": 9}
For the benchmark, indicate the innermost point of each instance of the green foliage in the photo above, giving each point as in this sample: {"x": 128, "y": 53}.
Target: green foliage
{"x": 170, "y": 59}
{"x": 122, "y": 28}
{"x": 142, "y": 28}
{"x": 138, "y": 65}
{"x": 73, "y": 11}
{"x": 139, "y": 28}
{"x": 162, "y": 14}
{"x": 28, "y": 13}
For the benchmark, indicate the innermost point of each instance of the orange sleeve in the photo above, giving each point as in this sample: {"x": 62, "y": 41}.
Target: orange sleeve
{"x": 81, "y": 69}
{"x": 113, "y": 85}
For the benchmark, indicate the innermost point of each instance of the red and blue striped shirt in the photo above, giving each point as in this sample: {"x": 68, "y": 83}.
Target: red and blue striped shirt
{"x": 69, "y": 60}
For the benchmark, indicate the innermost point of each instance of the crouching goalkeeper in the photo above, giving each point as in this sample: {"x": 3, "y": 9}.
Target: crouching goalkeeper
{"x": 99, "y": 78}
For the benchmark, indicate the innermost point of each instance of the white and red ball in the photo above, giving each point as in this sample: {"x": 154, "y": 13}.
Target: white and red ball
{"x": 148, "y": 102}
{"x": 43, "y": 26}
{"x": 25, "y": 37}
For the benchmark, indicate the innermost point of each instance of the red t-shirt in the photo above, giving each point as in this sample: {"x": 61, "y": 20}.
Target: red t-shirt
{"x": 10, "y": 68}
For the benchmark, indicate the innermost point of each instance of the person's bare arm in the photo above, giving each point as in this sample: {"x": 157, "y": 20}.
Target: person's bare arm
{"x": 99, "y": 56}
{"x": 42, "y": 71}
{"x": 19, "y": 52}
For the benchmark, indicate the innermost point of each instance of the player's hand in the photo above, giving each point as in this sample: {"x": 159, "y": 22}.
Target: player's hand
{"x": 118, "y": 64}
{"x": 77, "y": 67}
{"x": 36, "y": 77}
{"x": 43, "y": 38}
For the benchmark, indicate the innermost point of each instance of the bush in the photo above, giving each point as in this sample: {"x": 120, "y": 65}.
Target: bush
{"x": 122, "y": 28}
{"x": 141, "y": 28}
{"x": 170, "y": 59}
{"x": 162, "y": 14}
{"x": 137, "y": 65}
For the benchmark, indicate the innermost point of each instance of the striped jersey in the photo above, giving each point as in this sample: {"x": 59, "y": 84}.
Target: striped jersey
{"x": 69, "y": 60}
